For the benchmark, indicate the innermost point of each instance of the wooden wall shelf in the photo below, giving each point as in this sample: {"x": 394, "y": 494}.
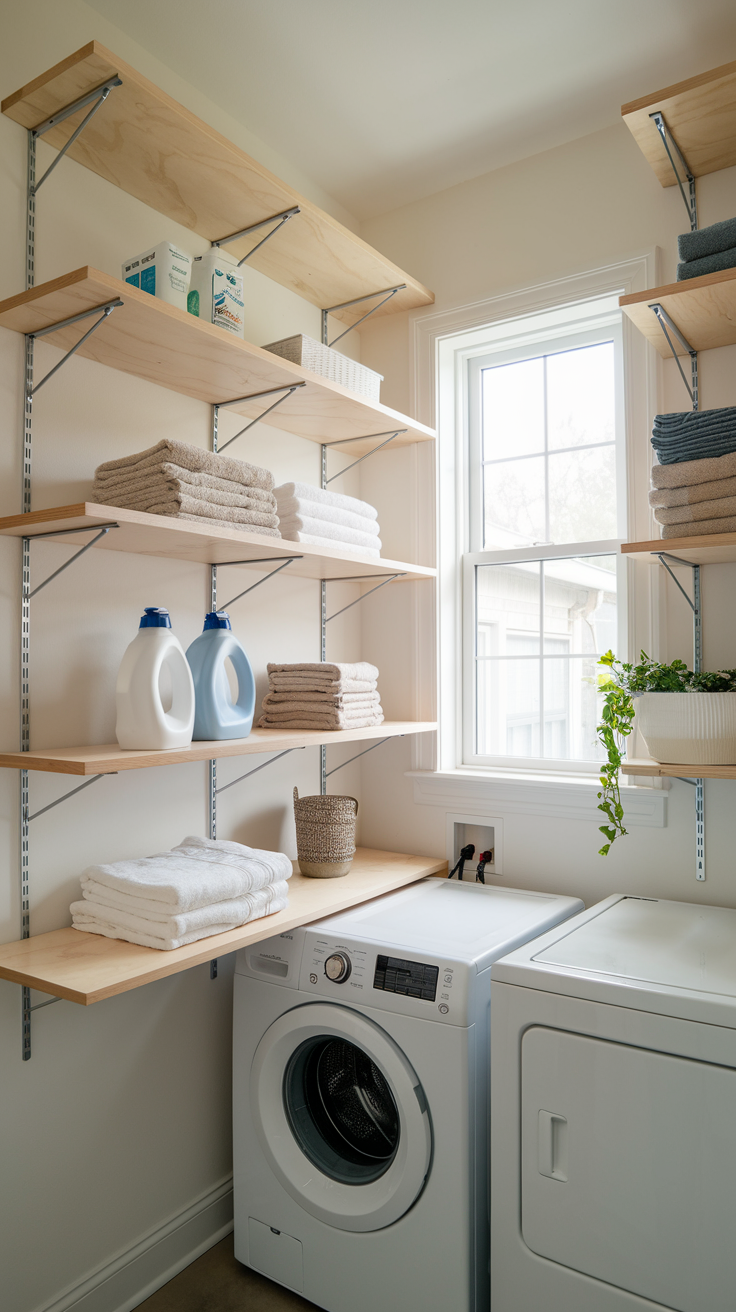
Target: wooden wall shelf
{"x": 654, "y": 770}
{"x": 704, "y": 310}
{"x": 179, "y": 539}
{"x": 110, "y": 758}
{"x": 86, "y": 968}
{"x": 701, "y": 113}
{"x": 152, "y": 147}
{"x": 710, "y": 549}
{"x": 165, "y": 345}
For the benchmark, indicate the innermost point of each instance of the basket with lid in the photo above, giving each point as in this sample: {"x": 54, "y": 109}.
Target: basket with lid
{"x": 325, "y": 834}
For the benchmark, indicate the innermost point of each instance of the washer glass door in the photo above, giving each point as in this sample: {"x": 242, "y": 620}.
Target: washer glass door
{"x": 330, "y": 1086}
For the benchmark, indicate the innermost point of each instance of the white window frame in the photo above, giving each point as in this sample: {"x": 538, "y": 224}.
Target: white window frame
{"x": 573, "y": 326}
{"x": 438, "y": 773}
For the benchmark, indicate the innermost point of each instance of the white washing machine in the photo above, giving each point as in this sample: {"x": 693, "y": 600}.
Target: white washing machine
{"x": 613, "y": 1164}
{"x": 361, "y": 1049}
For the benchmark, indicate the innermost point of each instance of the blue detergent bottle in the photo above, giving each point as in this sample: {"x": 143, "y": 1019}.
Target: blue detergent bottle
{"x": 216, "y": 715}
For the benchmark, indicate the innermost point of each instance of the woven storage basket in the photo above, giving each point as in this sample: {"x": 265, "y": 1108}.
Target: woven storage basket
{"x": 330, "y": 364}
{"x": 325, "y": 835}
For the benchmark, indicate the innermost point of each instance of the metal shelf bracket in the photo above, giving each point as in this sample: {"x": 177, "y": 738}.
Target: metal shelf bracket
{"x": 388, "y": 293}
{"x": 99, "y": 97}
{"x": 289, "y": 560}
{"x": 287, "y": 390}
{"x": 248, "y": 773}
{"x": 279, "y": 219}
{"x": 388, "y": 435}
{"x": 695, "y": 605}
{"x": 358, "y": 755}
{"x": 95, "y": 779}
{"x": 689, "y": 201}
{"x": 669, "y": 326}
{"x": 64, "y": 323}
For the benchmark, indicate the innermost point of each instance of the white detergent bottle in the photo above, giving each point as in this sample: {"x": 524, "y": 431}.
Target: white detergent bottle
{"x": 143, "y": 722}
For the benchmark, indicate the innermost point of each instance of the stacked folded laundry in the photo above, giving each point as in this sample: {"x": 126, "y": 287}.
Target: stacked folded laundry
{"x": 695, "y": 497}
{"x": 186, "y": 482}
{"x": 201, "y": 887}
{"x": 327, "y": 519}
{"x": 707, "y": 250}
{"x": 322, "y": 696}
{"x": 694, "y": 435}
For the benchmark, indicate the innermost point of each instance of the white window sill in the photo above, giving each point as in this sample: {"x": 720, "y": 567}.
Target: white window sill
{"x": 569, "y": 797}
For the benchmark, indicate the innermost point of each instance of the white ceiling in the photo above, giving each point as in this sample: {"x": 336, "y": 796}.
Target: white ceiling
{"x": 383, "y": 102}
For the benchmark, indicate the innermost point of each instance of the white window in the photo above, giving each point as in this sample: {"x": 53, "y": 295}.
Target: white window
{"x": 546, "y": 510}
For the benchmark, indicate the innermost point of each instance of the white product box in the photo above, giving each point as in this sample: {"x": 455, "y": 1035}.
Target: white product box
{"x": 216, "y": 292}
{"x": 164, "y": 271}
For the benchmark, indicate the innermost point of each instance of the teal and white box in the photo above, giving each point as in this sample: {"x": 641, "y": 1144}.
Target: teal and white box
{"x": 165, "y": 271}
{"x": 216, "y": 292}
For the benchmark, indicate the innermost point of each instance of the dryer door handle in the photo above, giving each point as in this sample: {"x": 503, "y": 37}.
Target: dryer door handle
{"x": 552, "y": 1145}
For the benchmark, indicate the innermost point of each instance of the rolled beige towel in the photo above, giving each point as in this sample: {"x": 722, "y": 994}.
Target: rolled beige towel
{"x": 193, "y": 458}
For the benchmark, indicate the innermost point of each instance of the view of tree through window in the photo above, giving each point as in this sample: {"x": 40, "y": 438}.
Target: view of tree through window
{"x": 549, "y": 477}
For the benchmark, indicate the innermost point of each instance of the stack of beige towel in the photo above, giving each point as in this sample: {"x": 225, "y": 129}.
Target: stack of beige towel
{"x": 322, "y": 696}
{"x": 695, "y": 497}
{"x": 186, "y": 482}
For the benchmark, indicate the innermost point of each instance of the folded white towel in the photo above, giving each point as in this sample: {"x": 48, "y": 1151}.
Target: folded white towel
{"x": 289, "y": 507}
{"x": 324, "y": 529}
{"x": 321, "y": 672}
{"x": 306, "y": 492}
{"x": 95, "y": 917}
{"x": 314, "y": 540}
{"x": 195, "y": 874}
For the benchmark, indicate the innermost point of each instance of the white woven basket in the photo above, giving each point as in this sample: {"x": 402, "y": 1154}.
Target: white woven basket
{"x": 330, "y": 364}
{"x": 688, "y": 728}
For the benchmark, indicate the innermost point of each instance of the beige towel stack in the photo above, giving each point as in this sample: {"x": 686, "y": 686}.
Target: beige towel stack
{"x": 322, "y": 696}
{"x": 694, "y": 497}
{"x": 186, "y": 482}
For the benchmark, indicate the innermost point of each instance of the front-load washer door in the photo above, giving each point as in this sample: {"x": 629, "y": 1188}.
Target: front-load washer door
{"x": 341, "y": 1116}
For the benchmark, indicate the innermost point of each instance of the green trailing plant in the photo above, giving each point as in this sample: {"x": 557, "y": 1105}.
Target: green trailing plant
{"x": 623, "y": 683}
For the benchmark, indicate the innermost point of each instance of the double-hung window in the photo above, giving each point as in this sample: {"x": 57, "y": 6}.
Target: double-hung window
{"x": 545, "y": 502}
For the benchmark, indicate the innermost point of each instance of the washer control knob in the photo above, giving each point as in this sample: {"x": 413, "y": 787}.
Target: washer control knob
{"x": 337, "y": 967}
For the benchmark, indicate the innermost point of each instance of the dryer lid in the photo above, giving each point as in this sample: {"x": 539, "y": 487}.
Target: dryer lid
{"x": 474, "y": 923}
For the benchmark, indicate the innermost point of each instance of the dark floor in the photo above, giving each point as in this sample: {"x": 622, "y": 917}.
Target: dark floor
{"x": 217, "y": 1283}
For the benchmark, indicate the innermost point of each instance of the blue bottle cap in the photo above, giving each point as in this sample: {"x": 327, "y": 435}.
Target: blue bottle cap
{"x": 156, "y": 617}
{"x": 217, "y": 619}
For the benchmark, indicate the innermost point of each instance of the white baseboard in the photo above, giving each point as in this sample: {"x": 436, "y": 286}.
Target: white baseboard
{"x": 133, "y": 1275}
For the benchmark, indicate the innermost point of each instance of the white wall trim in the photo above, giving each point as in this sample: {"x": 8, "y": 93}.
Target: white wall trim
{"x": 567, "y": 799}
{"x": 123, "y": 1282}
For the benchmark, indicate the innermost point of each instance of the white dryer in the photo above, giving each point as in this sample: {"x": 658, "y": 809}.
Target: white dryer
{"x": 614, "y": 1113}
{"x": 360, "y": 1055}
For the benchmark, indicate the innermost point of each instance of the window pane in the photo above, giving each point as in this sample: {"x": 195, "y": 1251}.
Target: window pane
{"x": 582, "y": 495}
{"x": 514, "y": 503}
{"x": 514, "y": 717}
{"x": 580, "y": 396}
{"x": 513, "y": 409}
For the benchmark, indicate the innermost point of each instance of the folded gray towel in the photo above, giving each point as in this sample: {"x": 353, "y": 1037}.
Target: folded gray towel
{"x": 194, "y": 458}
{"x": 694, "y": 434}
{"x": 708, "y": 264}
{"x": 696, "y": 449}
{"x": 707, "y": 241}
{"x": 697, "y": 512}
{"x": 700, "y": 529}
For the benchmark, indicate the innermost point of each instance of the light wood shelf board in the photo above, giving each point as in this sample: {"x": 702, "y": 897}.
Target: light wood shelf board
{"x": 654, "y": 770}
{"x": 174, "y": 539}
{"x": 157, "y": 150}
{"x": 87, "y": 968}
{"x": 700, "y": 112}
{"x": 704, "y": 310}
{"x": 710, "y": 549}
{"x": 110, "y": 758}
{"x": 174, "y": 349}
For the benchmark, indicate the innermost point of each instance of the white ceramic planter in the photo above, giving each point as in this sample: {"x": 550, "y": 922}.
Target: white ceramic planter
{"x": 688, "y": 728}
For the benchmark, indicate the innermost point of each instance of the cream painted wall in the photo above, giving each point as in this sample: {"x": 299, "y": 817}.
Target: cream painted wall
{"x": 576, "y": 208}
{"x": 121, "y": 1120}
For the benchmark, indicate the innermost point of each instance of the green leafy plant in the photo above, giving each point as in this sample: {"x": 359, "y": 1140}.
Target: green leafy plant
{"x": 623, "y": 683}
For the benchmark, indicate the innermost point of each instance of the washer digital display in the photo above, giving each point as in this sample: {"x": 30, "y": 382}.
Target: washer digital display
{"x": 413, "y": 978}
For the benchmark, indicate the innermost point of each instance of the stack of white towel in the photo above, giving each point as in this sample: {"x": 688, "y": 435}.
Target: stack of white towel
{"x": 186, "y": 482}
{"x": 327, "y": 519}
{"x": 200, "y": 888}
{"x": 322, "y": 696}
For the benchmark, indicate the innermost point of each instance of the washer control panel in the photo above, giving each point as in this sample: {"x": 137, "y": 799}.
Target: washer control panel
{"x": 415, "y": 979}
{"x": 377, "y": 976}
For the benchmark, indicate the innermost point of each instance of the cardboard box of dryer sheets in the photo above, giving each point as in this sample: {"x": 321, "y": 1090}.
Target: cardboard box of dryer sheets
{"x": 216, "y": 292}
{"x": 164, "y": 271}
